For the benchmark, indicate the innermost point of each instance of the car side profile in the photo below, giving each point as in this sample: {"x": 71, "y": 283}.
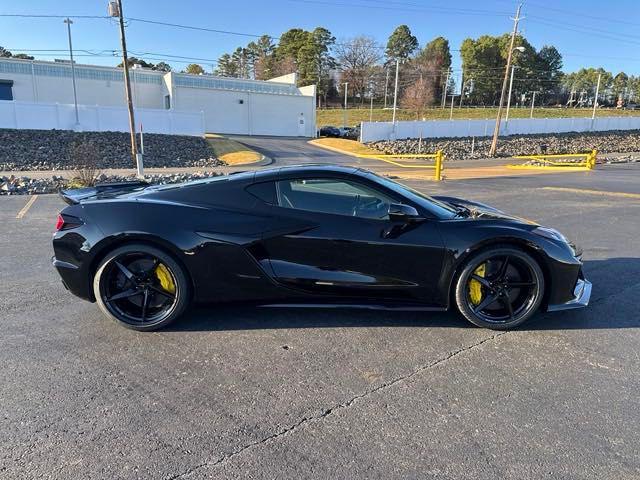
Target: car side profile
{"x": 313, "y": 235}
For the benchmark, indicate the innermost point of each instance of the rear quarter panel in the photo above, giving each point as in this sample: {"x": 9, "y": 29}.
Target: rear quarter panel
{"x": 212, "y": 243}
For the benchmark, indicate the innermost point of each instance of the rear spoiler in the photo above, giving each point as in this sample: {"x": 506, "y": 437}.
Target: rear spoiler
{"x": 76, "y": 195}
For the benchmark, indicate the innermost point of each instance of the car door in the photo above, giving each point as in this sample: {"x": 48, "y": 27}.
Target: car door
{"x": 334, "y": 236}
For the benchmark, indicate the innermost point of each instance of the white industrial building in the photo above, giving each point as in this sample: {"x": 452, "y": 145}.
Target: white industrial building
{"x": 219, "y": 104}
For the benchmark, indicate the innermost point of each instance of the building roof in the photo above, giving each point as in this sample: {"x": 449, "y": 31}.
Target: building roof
{"x": 140, "y": 75}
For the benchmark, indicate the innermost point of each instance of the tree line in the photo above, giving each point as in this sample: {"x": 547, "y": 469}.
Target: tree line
{"x": 367, "y": 70}
{"x": 425, "y": 76}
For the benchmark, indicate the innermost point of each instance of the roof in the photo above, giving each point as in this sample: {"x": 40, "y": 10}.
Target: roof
{"x": 306, "y": 169}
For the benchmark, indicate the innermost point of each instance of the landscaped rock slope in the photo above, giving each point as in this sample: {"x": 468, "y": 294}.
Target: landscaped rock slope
{"x": 53, "y": 150}
{"x": 460, "y": 148}
{"x": 23, "y": 185}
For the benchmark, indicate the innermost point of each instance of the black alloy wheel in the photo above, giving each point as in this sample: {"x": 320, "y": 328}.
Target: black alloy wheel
{"x": 141, "y": 287}
{"x": 500, "y": 288}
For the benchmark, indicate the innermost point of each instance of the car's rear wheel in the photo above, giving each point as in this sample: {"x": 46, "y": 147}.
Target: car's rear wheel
{"x": 141, "y": 287}
{"x": 500, "y": 288}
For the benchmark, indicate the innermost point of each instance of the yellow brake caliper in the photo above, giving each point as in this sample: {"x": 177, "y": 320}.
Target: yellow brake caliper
{"x": 166, "y": 281}
{"x": 475, "y": 288}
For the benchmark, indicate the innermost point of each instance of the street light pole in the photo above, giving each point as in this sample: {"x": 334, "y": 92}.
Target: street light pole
{"x": 506, "y": 117}
{"x": 68, "y": 21}
{"x": 344, "y": 117}
{"x": 533, "y": 102}
{"x": 444, "y": 90}
{"x": 127, "y": 84}
{"x": 496, "y": 130}
{"x": 395, "y": 94}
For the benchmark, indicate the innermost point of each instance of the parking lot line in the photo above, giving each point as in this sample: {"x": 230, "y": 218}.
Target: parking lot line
{"x": 594, "y": 192}
{"x": 26, "y": 208}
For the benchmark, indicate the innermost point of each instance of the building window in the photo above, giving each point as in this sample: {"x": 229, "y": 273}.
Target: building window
{"x": 167, "y": 102}
{"x": 5, "y": 90}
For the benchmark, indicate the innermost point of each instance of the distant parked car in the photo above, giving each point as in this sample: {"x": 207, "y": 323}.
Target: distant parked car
{"x": 329, "y": 131}
{"x": 632, "y": 106}
{"x": 352, "y": 133}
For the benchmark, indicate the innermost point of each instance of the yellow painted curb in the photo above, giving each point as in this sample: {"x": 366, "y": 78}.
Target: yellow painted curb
{"x": 382, "y": 157}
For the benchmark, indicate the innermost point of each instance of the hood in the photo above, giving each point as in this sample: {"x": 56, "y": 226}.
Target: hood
{"x": 481, "y": 211}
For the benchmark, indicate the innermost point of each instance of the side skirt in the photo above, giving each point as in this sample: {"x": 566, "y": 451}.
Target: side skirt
{"x": 363, "y": 306}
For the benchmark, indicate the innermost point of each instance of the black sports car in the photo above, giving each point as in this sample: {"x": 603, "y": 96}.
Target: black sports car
{"x": 310, "y": 235}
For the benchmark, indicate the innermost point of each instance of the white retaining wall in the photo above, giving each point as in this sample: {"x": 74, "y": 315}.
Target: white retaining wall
{"x": 373, "y": 131}
{"x": 48, "y": 116}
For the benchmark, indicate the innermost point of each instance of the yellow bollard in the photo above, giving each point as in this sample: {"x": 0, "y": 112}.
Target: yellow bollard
{"x": 439, "y": 158}
{"x": 592, "y": 159}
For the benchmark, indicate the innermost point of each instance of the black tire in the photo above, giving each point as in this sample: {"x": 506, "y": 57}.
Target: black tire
{"x": 136, "y": 298}
{"x": 510, "y": 294}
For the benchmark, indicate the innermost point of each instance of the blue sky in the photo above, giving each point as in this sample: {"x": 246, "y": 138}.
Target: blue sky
{"x": 587, "y": 32}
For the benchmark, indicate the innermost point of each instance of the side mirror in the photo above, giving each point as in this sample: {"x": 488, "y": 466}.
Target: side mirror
{"x": 403, "y": 213}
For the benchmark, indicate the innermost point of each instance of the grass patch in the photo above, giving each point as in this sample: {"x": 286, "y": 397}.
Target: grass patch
{"x": 335, "y": 117}
{"x": 230, "y": 151}
{"x": 345, "y": 146}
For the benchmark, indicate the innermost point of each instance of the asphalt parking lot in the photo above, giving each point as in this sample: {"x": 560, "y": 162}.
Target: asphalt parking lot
{"x": 287, "y": 393}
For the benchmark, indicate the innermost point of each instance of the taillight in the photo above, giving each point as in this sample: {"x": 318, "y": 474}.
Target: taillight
{"x": 66, "y": 222}
{"x": 59, "y": 222}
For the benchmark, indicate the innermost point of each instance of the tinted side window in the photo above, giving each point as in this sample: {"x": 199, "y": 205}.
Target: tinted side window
{"x": 265, "y": 191}
{"x": 338, "y": 197}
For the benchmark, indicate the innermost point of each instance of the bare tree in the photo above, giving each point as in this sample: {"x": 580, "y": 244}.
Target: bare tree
{"x": 357, "y": 58}
{"x": 418, "y": 96}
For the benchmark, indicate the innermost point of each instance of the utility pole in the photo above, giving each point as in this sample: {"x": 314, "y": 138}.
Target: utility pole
{"x": 533, "y": 102}
{"x": 506, "y": 117}
{"x": 395, "y": 94}
{"x": 371, "y": 108}
{"x": 73, "y": 72}
{"x": 453, "y": 95}
{"x": 386, "y": 84}
{"x": 461, "y": 87}
{"x": 595, "y": 101}
{"x": 344, "y": 117}
{"x": 496, "y": 131}
{"x": 127, "y": 85}
{"x": 444, "y": 90}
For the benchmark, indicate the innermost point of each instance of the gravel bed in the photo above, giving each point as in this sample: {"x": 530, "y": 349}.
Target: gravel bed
{"x": 14, "y": 185}
{"x": 53, "y": 150}
{"x": 460, "y": 148}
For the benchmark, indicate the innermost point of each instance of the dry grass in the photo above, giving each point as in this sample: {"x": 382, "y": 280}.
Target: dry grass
{"x": 356, "y": 115}
{"x": 86, "y": 158}
{"x": 230, "y": 151}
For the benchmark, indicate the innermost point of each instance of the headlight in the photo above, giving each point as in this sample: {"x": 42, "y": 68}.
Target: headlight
{"x": 551, "y": 233}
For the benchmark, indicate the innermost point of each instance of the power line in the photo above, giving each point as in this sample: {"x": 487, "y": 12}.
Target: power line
{"x": 419, "y": 8}
{"x": 573, "y": 13}
{"x": 24, "y": 15}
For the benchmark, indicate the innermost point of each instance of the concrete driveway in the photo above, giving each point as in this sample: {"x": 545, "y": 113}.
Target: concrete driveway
{"x": 234, "y": 392}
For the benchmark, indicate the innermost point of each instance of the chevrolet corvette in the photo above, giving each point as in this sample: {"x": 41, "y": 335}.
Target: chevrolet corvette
{"x": 314, "y": 235}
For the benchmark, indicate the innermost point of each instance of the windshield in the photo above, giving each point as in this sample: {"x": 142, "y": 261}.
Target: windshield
{"x": 439, "y": 209}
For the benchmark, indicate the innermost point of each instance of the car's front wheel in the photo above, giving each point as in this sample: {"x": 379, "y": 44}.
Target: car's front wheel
{"x": 141, "y": 287}
{"x": 500, "y": 288}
